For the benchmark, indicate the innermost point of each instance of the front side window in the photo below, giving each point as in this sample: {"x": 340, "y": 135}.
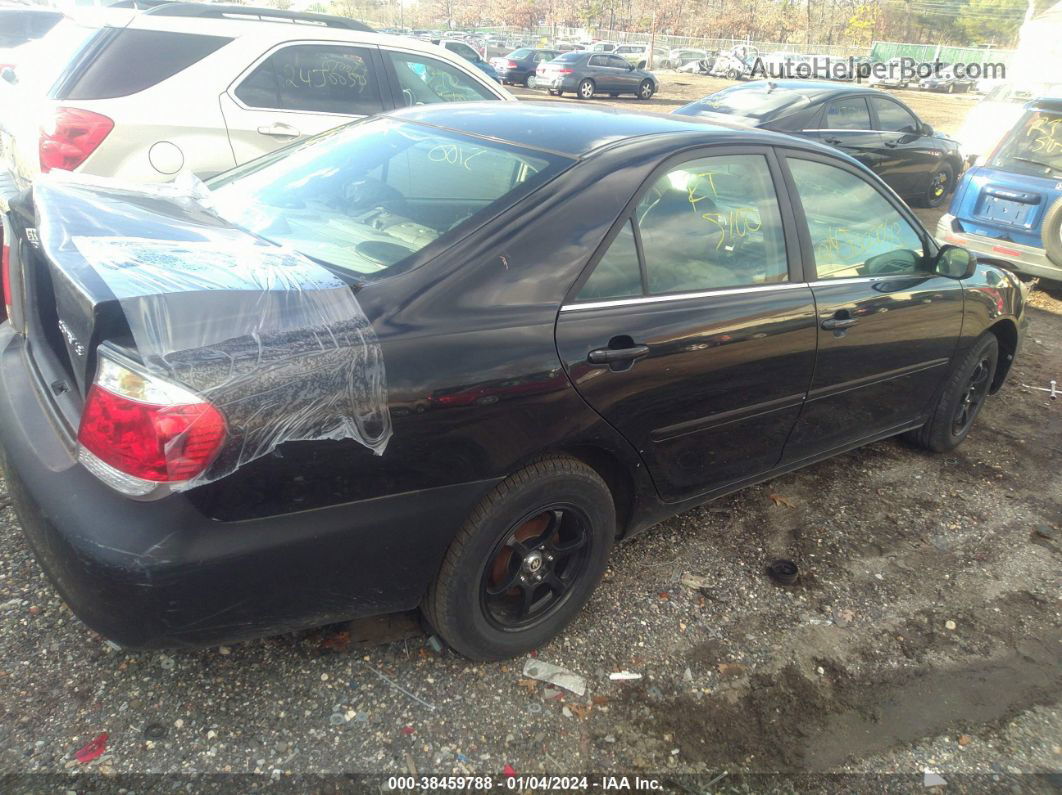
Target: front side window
{"x": 425, "y": 80}
{"x": 315, "y": 78}
{"x": 712, "y": 223}
{"x": 848, "y": 114}
{"x": 368, "y": 196}
{"x": 1033, "y": 147}
{"x": 892, "y": 117}
{"x": 616, "y": 62}
{"x": 854, "y": 230}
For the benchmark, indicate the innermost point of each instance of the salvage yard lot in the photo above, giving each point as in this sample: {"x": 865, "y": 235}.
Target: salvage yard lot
{"x": 924, "y": 632}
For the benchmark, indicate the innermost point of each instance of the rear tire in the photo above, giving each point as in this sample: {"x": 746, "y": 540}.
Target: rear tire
{"x": 1052, "y": 233}
{"x": 539, "y": 581}
{"x": 961, "y": 400}
{"x": 585, "y": 89}
{"x": 530, "y": 81}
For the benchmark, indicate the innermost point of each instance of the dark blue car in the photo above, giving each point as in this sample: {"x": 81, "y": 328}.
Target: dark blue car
{"x": 519, "y": 66}
{"x": 1011, "y": 207}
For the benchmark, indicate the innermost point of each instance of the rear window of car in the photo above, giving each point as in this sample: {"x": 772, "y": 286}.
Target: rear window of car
{"x": 122, "y": 61}
{"x": 756, "y": 103}
{"x": 368, "y": 197}
{"x": 17, "y": 26}
{"x": 1033, "y": 147}
{"x": 569, "y": 56}
{"x": 519, "y": 55}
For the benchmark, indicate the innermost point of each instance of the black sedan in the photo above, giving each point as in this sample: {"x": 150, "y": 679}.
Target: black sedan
{"x": 588, "y": 73}
{"x": 426, "y": 360}
{"x": 872, "y": 126}
{"x": 521, "y": 66}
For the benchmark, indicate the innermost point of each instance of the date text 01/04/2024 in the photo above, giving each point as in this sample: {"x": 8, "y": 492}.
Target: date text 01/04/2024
{"x": 520, "y": 783}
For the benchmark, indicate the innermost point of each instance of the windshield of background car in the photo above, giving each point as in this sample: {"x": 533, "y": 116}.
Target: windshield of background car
{"x": 753, "y": 103}
{"x": 368, "y": 196}
{"x": 1033, "y": 147}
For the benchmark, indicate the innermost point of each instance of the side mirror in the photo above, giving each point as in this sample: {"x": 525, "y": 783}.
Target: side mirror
{"x": 630, "y": 67}
{"x": 8, "y": 74}
{"x": 926, "y": 129}
{"x": 954, "y": 262}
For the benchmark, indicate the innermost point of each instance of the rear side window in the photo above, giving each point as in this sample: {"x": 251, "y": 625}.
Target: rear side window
{"x": 848, "y": 114}
{"x": 123, "y": 61}
{"x": 314, "y": 78}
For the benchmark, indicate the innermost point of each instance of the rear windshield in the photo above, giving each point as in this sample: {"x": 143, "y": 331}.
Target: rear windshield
{"x": 752, "y": 103}
{"x": 1033, "y": 147}
{"x": 368, "y": 196}
{"x": 569, "y": 56}
{"x": 17, "y": 26}
{"x": 519, "y": 54}
{"x": 105, "y": 67}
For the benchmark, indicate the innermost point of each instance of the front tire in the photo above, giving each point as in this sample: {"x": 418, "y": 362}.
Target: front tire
{"x": 961, "y": 401}
{"x": 586, "y": 89}
{"x": 525, "y": 562}
{"x": 646, "y": 90}
{"x": 940, "y": 184}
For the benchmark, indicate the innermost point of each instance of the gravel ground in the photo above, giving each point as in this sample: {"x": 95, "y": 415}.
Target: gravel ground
{"x": 923, "y": 634}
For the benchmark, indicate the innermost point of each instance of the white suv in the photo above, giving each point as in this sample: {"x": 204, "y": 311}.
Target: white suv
{"x": 203, "y": 88}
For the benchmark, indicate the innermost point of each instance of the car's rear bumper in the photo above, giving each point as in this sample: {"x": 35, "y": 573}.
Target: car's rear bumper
{"x": 150, "y": 574}
{"x": 1030, "y": 260}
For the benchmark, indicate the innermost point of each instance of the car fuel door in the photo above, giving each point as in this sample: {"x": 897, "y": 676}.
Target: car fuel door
{"x": 687, "y": 332}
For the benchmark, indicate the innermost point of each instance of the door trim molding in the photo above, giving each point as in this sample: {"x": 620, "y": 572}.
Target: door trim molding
{"x": 657, "y": 299}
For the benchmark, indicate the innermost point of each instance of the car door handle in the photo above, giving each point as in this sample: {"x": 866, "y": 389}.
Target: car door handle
{"x": 839, "y": 322}
{"x": 610, "y": 355}
{"x": 279, "y": 130}
{"x": 832, "y": 140}
{"x": 892, "y": 144}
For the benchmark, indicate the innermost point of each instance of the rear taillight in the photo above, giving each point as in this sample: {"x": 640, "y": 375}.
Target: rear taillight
{"x": 565, "y": 71}
{"x": 5, "y": 278}
{"x": 70, "y": 137}
{"x": 139, "y": 431}
{"x": 511, "y": 64}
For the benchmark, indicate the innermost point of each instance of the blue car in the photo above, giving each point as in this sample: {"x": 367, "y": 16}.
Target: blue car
{"x": 1011, "y": 207}
{"x": 469, "y": 53}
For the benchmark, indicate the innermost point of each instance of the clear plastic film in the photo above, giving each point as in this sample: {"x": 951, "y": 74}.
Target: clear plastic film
{"x": 276, "y": 342}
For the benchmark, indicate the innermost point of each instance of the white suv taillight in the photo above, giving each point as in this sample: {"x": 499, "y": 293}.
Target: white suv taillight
{"x": 139, "y": 432}
{"x": 70, "y": 136}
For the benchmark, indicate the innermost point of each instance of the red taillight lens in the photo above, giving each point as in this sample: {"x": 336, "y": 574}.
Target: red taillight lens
{"x": 146, "y": 428}
{"x": 565, "y": 71}
{"x": 71, "y": 137}
{"x": 5, "y": 278}
{"x": 511, "y": 64}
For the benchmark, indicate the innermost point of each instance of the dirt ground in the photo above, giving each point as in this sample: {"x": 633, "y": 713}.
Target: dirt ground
{"x": 923, "y": 634}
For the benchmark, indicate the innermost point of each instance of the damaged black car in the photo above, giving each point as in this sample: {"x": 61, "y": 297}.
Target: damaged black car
{"x": 445, "y": 358}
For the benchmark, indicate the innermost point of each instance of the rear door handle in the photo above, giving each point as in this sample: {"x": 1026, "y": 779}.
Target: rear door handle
{"x": 610, "y": 355}
{"x": 834, "y": 141}
{"x": 836, "y": 323}
{"x": 279, "y": 130}
{"x": 892, "y": 144}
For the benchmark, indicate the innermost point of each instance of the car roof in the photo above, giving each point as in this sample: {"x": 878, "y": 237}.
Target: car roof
{"x": 1050, "y": 104}
{"x": 576, "y": 130}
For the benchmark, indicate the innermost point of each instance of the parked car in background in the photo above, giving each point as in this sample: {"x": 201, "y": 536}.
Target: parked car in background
{"x": 737, "y": 63}
{"x": 873, "y": 127}
{"x": 465, "y": 50}
{"x": 1010, "y": 207}
{"x": 629, "y": 321}
{"x": 521, "y": 66}
{"x": 889, "y": 75}
{"x": 603, "y": 46}
{"x": 678, "y": 58}
{"x": 588, "y": 73}
{"x": 638, "y": 56}
{"x": 22, "y": 24}
{"x": 947, "y": 81}
{"x": 230, "y": 88}
{"x": 568, "y": 46}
